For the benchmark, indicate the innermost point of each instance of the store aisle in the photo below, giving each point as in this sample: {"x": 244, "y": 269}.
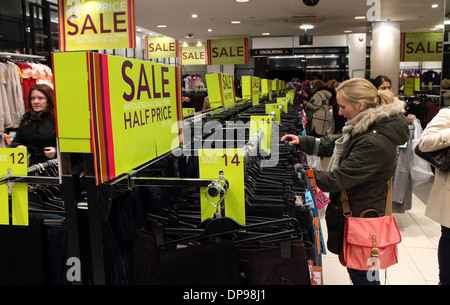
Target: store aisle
{"x": 418, "y": 263}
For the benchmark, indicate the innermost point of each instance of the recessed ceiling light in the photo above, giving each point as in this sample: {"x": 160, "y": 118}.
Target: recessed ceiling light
{"x": 435, "y": 5}
{"x": 439, "y": 26}
{"x": 347, "y": 31}
{"x": 209, "y": 30}
{"x": 360, "y": 17}
{"x": 194, "y": 16}
{"x": 265, "y": 34}
{"x": 242, "y": 0}
{"x": 306, "y": 27}
{"x": 161, "y": 26}
{"x": 235, "y": 22}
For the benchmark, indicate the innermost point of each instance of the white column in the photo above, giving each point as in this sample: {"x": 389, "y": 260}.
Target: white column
{"x": 385, "y": 51}
{"x": 357, "y": 55}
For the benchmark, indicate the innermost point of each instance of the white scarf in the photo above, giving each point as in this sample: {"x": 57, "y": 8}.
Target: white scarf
{"x": 341, "y": 143}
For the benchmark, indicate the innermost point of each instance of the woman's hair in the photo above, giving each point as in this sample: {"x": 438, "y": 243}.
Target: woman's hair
{"x": 379, "y": 80}
{"x": 318, "y": 84}
{"x": 48, "y": 92}
{"x": 360, "y": 89}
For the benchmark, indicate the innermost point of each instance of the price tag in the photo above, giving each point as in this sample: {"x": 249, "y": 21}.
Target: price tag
{"x": 231, "y": 163}
{"x": 321, "y": 199}
{"x": 308, "y": 198}
{"x": 15, "y": 161}
{"x": 315, "y": 273}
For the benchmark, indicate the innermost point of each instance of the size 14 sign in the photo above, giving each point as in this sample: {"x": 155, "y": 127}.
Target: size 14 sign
{"x": 14, "y": 161}
{"x": 231, "y": 163}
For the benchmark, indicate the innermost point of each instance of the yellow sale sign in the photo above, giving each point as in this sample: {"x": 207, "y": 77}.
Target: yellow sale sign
{"x": 220, "y": 89}
{"x": 161, "y": 47}
{"x": 421, "y": 47}
{"x": 251, "y": 88}
{"x": 233, "y": 51}
{"x": 96, "y": 24}
{"x": 266, "y": 87}
{"x": 131, "y": 109}
{"x": 193, "y": 56}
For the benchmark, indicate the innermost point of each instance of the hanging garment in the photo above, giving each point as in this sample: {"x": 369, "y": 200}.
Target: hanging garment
{"x": 26, "y": 72}
{"x": 6, "y": 95}
{"x": 193, "y": 265}
{"x": 264, "y": 265}
{"x": 15, "y": 96}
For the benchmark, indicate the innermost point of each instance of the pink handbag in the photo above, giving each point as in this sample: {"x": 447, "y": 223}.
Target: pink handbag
{"x": 370, "y": 243}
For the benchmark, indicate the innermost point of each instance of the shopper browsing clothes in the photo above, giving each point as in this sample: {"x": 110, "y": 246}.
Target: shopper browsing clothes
{"x": 436, "y": 136}
{"x": 363, "y": 158}
{"x": 37, "y": 130}
{"x": 317, "y": 111}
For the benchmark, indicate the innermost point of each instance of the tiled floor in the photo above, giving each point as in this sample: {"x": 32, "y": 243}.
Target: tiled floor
{"x": 417, "y": 264}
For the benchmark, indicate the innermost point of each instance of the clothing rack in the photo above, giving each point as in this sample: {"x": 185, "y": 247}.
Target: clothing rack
{"x": 87, "y": 206}
{"x": 21, "y": 56}
{"x": 39, "y": 167}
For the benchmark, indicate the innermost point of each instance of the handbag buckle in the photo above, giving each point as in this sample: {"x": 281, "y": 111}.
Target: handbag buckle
{"x": 375, "y": 250}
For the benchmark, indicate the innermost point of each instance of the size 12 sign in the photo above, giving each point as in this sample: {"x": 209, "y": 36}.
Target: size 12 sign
{"x": 14, "y": 160}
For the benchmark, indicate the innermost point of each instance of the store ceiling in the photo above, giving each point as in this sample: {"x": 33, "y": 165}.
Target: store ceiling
{"x": 278, "y": 17}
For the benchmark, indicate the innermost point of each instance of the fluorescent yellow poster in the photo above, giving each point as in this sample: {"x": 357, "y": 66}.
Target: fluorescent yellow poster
{"x": 220, "y": 89}
{"x": 231, "y": 163}
{"x": 193, "y": 56}
{"x": 15, "y": 161}
{"x": 93, "y": 25}
{"x": 229, "y": 97}
{"x": 421, "y": 47}
{"x": 143, "y": 102}
{"x": 251, "y": 88}
{"x": 266, "y": 88}
{"x": 233, "y": 51}
{"x": 161, "y": 47}
{"x": 134, "y": 110}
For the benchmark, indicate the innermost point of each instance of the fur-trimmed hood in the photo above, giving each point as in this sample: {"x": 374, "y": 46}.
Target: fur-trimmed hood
{"x": 385, "y": 119}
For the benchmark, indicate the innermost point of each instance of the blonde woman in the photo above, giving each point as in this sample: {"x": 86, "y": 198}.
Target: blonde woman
{"x": 363, "y": 158}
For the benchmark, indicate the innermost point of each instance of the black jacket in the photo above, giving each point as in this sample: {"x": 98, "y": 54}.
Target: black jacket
{"x": 36, "y": 134}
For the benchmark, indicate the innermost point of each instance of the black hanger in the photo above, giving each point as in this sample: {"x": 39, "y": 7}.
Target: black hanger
{"x": 226, "y": 227}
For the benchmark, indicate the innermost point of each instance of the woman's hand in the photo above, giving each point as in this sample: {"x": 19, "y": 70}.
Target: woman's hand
{"x": 21, "y": 146}
{"x": 294, "y": 139}
{"x": 49, "y": 152}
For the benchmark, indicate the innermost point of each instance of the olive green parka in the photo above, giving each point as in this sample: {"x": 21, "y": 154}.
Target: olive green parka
{"x": 365, "y": 166}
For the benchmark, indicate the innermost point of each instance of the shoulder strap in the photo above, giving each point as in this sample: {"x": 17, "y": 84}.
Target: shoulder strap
{"x": 346, "y": 206}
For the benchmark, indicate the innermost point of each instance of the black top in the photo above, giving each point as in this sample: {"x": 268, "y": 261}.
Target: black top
{"x": 36, "y": 133}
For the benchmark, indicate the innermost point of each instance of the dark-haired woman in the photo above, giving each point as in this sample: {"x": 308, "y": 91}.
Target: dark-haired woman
{"x": 37, "y": 130}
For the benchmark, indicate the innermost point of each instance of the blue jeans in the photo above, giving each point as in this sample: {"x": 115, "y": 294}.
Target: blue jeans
{"x": 364, "y": 277}
{"x": 444, "y": 256}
